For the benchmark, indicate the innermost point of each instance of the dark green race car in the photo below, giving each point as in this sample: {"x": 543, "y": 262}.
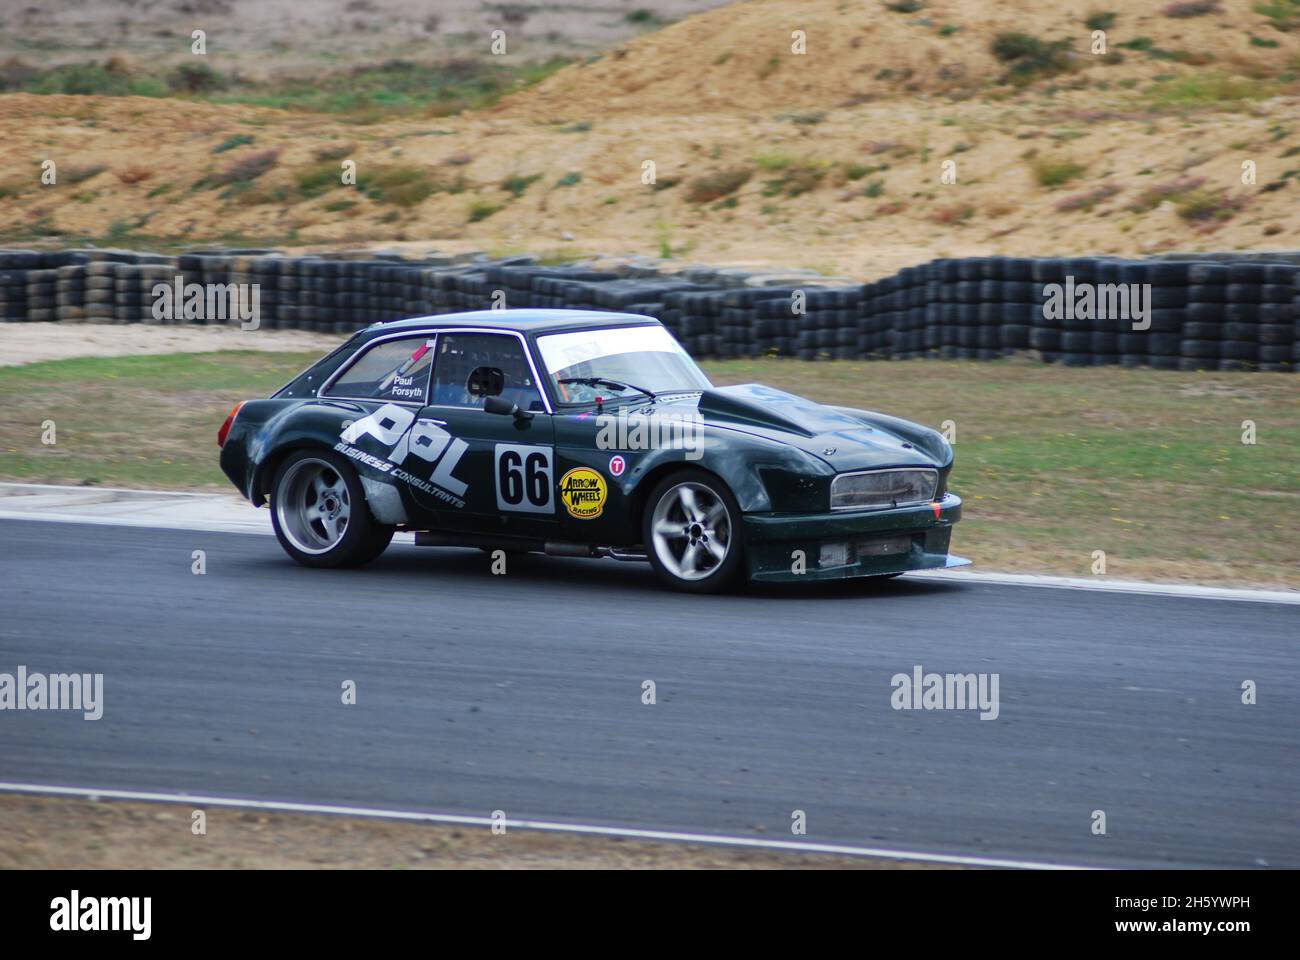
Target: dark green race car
{"x": 587, "y": 434}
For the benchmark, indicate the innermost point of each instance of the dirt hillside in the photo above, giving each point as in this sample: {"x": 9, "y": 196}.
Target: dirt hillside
{"x": 740, "y": 58}
{"x": 896, "y": 137}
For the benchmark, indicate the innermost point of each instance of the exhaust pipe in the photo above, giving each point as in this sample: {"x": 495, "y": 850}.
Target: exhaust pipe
{"x": 562, "y": 549}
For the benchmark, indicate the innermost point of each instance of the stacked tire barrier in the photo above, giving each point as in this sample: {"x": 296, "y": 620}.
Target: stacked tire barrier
{"x": 1216, "y": 311}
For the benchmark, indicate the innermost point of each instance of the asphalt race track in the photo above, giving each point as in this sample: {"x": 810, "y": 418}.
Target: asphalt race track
{"x": 523, "y": 693}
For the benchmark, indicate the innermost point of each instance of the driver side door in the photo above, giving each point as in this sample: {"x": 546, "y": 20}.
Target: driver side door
{"x": 506, "y": 463}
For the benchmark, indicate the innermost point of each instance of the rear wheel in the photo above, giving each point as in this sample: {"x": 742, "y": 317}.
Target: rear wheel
{"x": 692, "y": 532}
{"x": 319, "y": 512}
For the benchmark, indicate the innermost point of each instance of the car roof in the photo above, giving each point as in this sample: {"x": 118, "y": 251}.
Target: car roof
{"x": 525, "y": 320}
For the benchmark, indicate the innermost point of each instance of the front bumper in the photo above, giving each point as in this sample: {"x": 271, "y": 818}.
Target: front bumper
{"x": 840, "y": 544}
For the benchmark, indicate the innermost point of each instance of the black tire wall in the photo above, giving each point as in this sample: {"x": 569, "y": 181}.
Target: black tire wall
{"x": 1208, "y": 311}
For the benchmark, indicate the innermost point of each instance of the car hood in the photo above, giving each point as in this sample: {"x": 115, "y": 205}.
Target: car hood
{"x": 846, "y": 440}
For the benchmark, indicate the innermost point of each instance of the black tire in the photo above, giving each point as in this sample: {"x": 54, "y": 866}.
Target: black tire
{"x": 311, "y": 540}
{"x": 1041, "y": 339}
{"x": 1208, "y": 273}
{"x": 664, "y": 501}
{"x": 1200, "y": 348}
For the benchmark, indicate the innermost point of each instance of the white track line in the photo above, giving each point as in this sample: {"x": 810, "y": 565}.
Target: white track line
{"x": 1116, "y": 586}
{"x": 255, "y": 524}
{"x": 544, "y": 825}
{"x": 135, "y": 493}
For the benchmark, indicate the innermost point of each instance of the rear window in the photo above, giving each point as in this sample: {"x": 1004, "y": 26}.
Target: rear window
{"x": 395, "y": 370}
{"x": 306, "y": 383}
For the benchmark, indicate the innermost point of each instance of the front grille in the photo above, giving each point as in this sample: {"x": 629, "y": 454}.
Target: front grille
{"x": 882, "y": 489}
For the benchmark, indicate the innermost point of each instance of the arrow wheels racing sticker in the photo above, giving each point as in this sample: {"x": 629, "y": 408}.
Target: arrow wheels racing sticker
{"x": 582, "y": 491}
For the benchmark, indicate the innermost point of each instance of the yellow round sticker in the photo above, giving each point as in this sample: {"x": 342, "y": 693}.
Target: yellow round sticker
{"x": 582, "y": 491}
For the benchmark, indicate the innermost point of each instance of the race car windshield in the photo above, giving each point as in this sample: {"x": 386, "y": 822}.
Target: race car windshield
{"x": 647, "y": 356}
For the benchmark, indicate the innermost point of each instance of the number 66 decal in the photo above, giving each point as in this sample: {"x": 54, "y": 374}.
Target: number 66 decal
{"x": 523, "y": 475}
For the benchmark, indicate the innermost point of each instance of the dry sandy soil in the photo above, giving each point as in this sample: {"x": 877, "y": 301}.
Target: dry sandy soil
{"x": 74, "y": 834}
{"x": 843, "y": 147}
{"x": 32, "y": 342}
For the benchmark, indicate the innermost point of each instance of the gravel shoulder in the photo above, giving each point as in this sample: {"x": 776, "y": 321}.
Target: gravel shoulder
{"x": 56, "y": 833}
{"x": 22, "y": 343}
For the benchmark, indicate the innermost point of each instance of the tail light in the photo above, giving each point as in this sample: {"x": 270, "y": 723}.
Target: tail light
{"x": 225, "y": 427}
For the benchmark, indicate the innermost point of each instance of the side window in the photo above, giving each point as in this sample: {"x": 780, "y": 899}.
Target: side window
{"x": 460, "y": 354}
{"x": 392, "y": 370}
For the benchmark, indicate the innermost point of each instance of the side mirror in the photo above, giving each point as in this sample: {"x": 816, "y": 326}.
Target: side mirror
{"x": 485, "y": 382}
{"x": 505, "y": 408}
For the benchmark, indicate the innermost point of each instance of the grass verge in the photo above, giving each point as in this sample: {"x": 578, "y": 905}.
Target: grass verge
{"x": 142, "y": 421}
{"x": 364, "y": 93}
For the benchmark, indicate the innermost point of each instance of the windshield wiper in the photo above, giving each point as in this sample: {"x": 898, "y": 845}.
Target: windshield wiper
{"x": 606, "y": 382}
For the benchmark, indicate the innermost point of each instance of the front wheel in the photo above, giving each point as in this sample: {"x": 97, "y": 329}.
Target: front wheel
{"x": 319, "y": 512}
{"x": 692, "y": 532}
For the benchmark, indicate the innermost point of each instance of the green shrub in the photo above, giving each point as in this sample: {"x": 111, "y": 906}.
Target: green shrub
{"x": 482, "y": 209}
{"x": 796, "y": 179}
{"x": 403, "y": 186}
{"x": 1053, "y": 173}
{"x": 1285, "y": 14}
{"x": 365, "y": 93}
{"x": 1171, "y": 190}
{"x": 773, "y": 161}
{"x": 1203, "y": 206}
{"x": 246, "y": 168}
{"x": 517, "y": 184}
{"x": 80, "y": 79}
{"x": 1029, "y": 58}
{"x": 196, "y": 78}
{"x": 317, "y": 179}
{"x": 1194, "y": 90}
{"x": 238, "y": 140}
{"x": 1191, "y": 8}
{"x": 715, "y": 186}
